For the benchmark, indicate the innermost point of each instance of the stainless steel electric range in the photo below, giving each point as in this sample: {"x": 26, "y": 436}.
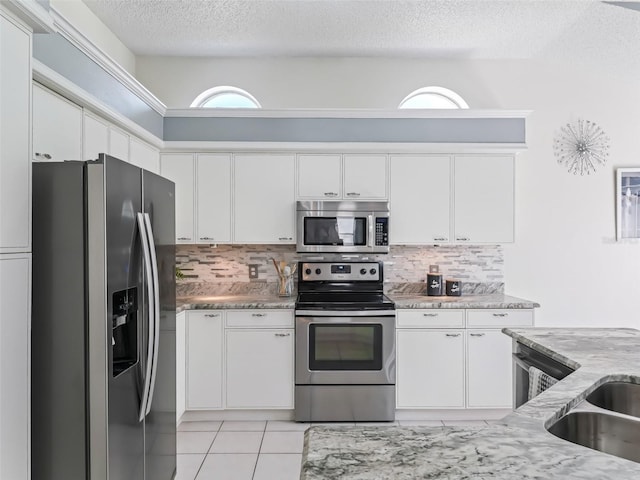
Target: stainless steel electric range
{"x": 345, "y": 344}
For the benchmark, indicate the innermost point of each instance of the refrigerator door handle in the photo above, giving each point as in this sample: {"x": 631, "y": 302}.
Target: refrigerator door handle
{"x": 156, "y": 307}
{"x": 150, "y": 300}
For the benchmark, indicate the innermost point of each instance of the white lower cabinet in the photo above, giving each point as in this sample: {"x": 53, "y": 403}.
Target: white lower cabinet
{"x": 489, "y": 369}
{"x": 430, "y": 368}
{"x": 204, "y": 359}
{"x": 259, "y": 368}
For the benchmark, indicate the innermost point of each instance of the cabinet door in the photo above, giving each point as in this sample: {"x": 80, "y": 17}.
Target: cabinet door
{"x": 179, "y": 168}
{"x": 365, "y": 177}
{"x": 57, "y": 127}
{"x": 15, "y": 375}
{"x": 259, "y": 368}
{"x": 319, "y": 176}
{"x": 15, "y": 160}
{"x": 213, "y": 186}
{"x": 489, "y": 368}
{"x": 484, "y": 199}
{"x": 420, "y": 199}
{"x": 204, "y": 360}
{"x": 96, "y": 137}
{"x": 264, "y": 198}
{"x": 181, "y": 364}
{"x": 430, "y": 369}
{"x": 118, "y": 144}
{"x": 144, "y": 155}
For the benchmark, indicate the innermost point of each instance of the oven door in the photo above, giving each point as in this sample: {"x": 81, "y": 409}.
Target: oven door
{"x": 345, "y": 349}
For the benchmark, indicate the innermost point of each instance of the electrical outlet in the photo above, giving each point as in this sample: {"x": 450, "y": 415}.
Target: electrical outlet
{"x": 253, "y": 271}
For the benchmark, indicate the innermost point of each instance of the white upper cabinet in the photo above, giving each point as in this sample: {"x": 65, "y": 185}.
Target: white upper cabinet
{"x": 179, "y": 168}
{"x": 320, "y": 176}
{"x": 57, "y": 127}
{"x": 15, "y": 160}
{"x": 365, "y": 177}
{"x": 264, "y": 198}
{"x": 420, "y": 199}
{"x": 213, "y": 202}
{"x": 118, "y": 144}
{"x": 144, "y": 155}
{"x": 484, "y": 198}
{"x": 337, "y": 177}
{"x": 96, "y": 137}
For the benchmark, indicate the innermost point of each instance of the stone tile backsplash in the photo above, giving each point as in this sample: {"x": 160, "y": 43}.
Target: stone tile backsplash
{"x": 480, "y": 268}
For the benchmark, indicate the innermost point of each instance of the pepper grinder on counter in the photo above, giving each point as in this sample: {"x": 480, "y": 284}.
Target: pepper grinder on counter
{"x": 434, "y": 281}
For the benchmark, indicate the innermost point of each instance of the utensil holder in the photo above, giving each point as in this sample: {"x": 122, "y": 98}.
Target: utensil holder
{"x": 285, "y": 285}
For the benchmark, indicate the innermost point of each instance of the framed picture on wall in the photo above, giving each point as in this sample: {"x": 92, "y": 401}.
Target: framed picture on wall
{"x": 627, "y": 205}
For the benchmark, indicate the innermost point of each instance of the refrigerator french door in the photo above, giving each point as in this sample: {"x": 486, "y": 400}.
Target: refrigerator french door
{"x": 103, "y": 324}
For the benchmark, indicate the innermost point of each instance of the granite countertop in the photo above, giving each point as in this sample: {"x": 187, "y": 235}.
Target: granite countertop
{"x": 212, "y": 302}
{"x": 517, "y": 447}
{"x": 494, "y": 300}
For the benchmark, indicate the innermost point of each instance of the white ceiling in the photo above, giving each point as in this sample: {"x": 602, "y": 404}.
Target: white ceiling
{"x": 494, "y": 29}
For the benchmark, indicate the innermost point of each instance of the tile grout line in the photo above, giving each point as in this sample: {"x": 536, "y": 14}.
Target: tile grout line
{"x": 207, "y": 452}
{"x": 255, "y": 467}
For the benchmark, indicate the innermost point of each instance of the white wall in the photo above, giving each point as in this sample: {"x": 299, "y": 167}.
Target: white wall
{"x": 565, "y": 255}
{"x": 81, "y": 17}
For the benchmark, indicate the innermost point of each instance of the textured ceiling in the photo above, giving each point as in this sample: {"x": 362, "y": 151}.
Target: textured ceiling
{"x": 422, "y": 28}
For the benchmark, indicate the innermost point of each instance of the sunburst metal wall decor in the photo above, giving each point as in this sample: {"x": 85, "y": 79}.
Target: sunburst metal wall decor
{"x": 581, "y": 147}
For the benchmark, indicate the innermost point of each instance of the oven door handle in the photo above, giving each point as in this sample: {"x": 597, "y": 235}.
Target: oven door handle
{"x": 344, "y": 313}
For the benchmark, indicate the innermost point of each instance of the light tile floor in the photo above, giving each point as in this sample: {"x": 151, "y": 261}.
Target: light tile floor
{"x": 236, "y": 450}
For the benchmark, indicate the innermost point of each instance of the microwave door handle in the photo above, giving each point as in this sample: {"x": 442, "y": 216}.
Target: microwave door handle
{"x": 156, "y": 311}
{"x": 150, "y": 314}
{"x": 372, "y": 240}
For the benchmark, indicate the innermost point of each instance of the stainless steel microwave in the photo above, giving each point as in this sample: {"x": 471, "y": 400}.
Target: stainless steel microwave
{"x": 342, "y": 227}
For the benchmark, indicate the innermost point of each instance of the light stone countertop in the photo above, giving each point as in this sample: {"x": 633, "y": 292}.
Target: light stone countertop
{"x": 517, "y": 447}
{"x": 494, "y": 300}
{"x": 213, "y": 302}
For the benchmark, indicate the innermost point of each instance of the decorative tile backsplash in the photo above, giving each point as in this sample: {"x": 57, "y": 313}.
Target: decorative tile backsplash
{"x": 480, "y": 268}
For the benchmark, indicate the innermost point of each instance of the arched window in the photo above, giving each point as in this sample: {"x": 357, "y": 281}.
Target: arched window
{"x": 225, "y": 97}
{"x": 433, "y": 97}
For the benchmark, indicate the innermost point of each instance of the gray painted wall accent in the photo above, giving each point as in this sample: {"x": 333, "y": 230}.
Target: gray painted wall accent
{"x": 403, "y": 130}
{"x": 62, "y": 56}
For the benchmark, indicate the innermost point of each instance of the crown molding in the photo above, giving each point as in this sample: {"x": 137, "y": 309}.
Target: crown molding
{"x": 31, "y": 13}
{"x": 78, "y": 39}
{"x": 345, "y": 147}
{"x": 342, "y": 113}
{"x": 53, "y": 80}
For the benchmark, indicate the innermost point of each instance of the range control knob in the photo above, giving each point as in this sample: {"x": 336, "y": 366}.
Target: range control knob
{"x": 318, "y": 271}
{"x": 373, "y": 271}
{"x": 363, "y": 271}
{"x": 307, "y": 271}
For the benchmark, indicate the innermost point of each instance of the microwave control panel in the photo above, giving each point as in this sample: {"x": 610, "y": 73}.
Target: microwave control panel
{"x": 382, "y": 231}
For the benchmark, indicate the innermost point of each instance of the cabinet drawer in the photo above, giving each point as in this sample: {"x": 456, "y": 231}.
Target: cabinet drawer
{"x": 499, "y": 318}
{"x": 259, "y": 318}
{"x": 430, "y": 318}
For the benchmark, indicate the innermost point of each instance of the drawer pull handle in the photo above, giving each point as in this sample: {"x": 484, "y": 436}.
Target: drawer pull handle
{"x": 477, "y": 334}
{"x": 462, "y": 239}
{"x": 282, "y": 334}
{"x": 285, "y": 238}
{"x": 429, "y": 314}
{"x": 330, "y": 194}
{"x": 45, "y": 155}
{"x": 258, "y": 314}
{"x": 184, "y": 238}
{"x": 440, "y": 239}
{"x": 452, "y": 334}
{"x": 353, "y": 194}
{"x": 211, "y": 314}
{"x": 500, "y": 314}
{"x": 207, "y": 238}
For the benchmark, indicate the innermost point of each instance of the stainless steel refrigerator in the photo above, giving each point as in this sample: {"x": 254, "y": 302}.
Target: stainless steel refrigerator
{"x": 103, "y": 322}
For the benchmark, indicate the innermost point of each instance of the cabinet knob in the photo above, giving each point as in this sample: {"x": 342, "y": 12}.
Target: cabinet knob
{"x": 330, "y": 194}
{"x": 258, "y": 314}
{"x": 477, "y": 334}
{"x": 500, "y": 314}
{"x": 453, "y": 334}
{"x": 282, "y": 334}
{"x": 43, "y": 155}
{"x": 429, "y": 314}
{"x": 462, "y": 239}
{"x": 212, "y": 315}
{"x": 184, "y": 238}
{"x": 207, "y": 238}
{"x": 353, "y": 194}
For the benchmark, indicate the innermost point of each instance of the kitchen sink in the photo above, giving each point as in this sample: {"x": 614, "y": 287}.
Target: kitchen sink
{"x": 613, "y": 434}
{"x": 621, "y": 397}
